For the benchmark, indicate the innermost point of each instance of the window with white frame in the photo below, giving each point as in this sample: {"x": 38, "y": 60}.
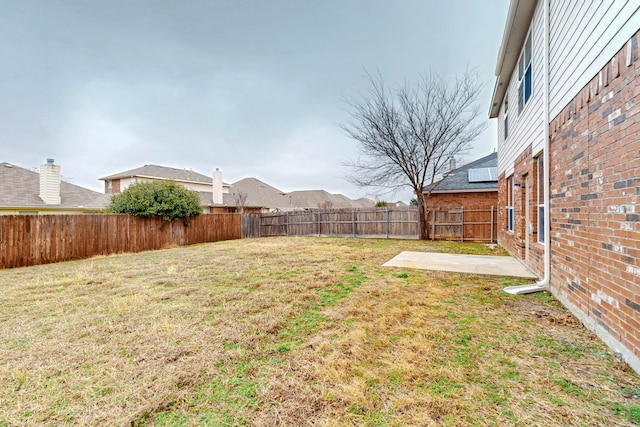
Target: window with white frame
{"x": 510, "y": 203}
{"x": 109, "y": 187}
{"x": 525, "y": 74}
{"x": 506, "y": 117}
{"x": 540, "y": 196}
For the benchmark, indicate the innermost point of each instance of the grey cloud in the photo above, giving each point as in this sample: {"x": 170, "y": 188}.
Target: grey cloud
{"x": 253, "y": 87}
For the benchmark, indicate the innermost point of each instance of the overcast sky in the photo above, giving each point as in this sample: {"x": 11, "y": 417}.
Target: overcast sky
{"x": 254, "y": 88}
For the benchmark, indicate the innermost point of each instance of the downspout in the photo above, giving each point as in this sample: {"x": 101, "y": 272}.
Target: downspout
{"x": 543, "y": 284}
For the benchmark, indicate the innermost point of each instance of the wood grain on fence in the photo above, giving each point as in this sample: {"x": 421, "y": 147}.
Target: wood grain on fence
{"x": 471, "y": 223}
{"x": 42, "y": 239}
{"x": 251, "y": 225}
{"x": 381, "y": 222}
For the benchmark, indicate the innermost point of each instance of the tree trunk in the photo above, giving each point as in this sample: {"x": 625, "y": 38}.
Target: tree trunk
{"x": 422, "y": 216}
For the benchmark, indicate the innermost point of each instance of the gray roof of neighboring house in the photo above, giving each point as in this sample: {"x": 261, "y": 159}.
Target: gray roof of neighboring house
{"x": 206, "y": 199}
{"x": 20, "y": 188}
{"x": 457, "y": 180}
{"x": 162, "y": 172}
{"x": 261, "y": 194}
{"x": 313, "y": 199}
{"x": 264, "y": 195}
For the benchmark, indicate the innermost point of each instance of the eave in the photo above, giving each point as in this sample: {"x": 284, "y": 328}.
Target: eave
{"x": 515, "y": 31}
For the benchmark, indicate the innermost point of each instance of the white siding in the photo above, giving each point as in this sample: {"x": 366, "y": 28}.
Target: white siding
{"x": 584, "y": 36}
{"x": 526, "y": 127}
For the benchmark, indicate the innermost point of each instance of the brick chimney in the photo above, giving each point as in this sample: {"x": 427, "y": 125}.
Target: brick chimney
{"x": 217, "y": 187}
{"x": 50, "y": 183}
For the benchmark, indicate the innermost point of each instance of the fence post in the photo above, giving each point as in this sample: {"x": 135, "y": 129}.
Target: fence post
{"x": 387, "y": 222}
{"x": 433, "y": 225}
{"x": 491, "y": 224}
{"x": 287, "y": 225}
{"x": 319, "y": 226}
{"x": 462, "y": 224}
{"x": 353, "y": 222}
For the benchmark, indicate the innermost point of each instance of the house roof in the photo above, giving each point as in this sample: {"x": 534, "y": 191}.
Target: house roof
{"x": 260, "y": 193}
{"x": 515, "y": 32}
{"x": 162, "y": 172}
{"x": 313, "y": 199}
{"x": 457, "y": 180}
{"x": 20, "y": 188}
{"x": 206, "y": 199}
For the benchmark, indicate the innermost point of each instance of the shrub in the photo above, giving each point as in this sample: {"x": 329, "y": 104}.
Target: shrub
{"x": 165, "y": 199}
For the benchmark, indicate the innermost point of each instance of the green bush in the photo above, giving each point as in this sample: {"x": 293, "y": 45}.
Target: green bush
{"x": 165, "y": 199}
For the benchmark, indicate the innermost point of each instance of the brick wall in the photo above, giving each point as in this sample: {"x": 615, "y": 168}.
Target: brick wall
{"x": 115, "y": 187}
{"x": 457, "y": 200}
{"x": 515, "y": 241}
{"x": 595, "y": 189}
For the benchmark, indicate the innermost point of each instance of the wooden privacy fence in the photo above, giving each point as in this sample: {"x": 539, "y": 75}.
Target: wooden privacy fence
{"x": 41, "y": 239}
{"x": 478, "y": 224}
{"x": 251, "y": 225}
{"x": 381, "y": 222}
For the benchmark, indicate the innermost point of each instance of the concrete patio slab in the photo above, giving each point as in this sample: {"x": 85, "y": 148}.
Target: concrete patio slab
{"x": 474, "y": 264}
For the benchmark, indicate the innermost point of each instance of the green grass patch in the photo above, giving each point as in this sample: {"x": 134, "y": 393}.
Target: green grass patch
{"x": 630, "y": 412}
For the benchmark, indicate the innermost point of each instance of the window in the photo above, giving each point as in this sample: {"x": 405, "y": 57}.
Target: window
{"x": 540, "y": 196}
{"x": 510, "y": 203}
{"x": 506, "y": 117}
{"x": 109, "y": 187}
{"x": 525, "y": 74}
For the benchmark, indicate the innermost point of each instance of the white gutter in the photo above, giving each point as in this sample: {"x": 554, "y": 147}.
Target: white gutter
{"x": 543, "y": 284}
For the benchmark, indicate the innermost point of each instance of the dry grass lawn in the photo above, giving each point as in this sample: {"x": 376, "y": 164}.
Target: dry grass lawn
{"x": 295, "y": 331}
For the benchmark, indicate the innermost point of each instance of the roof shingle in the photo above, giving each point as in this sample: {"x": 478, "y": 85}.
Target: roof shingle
{"x": 457, "y": 180}
{"x": 20, "y": 187}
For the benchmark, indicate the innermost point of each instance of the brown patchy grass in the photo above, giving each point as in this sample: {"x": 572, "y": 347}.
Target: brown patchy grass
{"x": 295, "y": 331}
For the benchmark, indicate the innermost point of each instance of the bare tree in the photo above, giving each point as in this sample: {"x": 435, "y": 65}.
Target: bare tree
{"x": 407, "y": 135}
{"x": 240, "y": 199}
{"x": 327, "y": 204}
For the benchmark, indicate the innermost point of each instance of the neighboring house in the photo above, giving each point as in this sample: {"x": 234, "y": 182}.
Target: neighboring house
{"x": 25, "y": 192}
{"x": 214, "y": 193}
{"x": 315, "y": 199}
{"x": 260, "y": 194}
{"x": 567, "y": 103}
{"x": 270, "y": 198}
{"x": 474, "y": 184}
{"x": 398, "y": 204}
{"x": 216, "y": 196}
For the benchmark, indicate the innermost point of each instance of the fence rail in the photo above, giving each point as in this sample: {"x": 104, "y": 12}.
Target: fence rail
{"x": 42, "y": 239}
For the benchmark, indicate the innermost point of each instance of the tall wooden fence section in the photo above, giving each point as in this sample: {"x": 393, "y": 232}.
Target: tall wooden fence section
{"x": 478, "y": 224}
{"x": 251, "y": 225}
{"x": 381, "y": 222}
{"x": 41, "y": 239}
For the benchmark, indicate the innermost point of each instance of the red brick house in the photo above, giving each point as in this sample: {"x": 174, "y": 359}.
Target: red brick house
{"x": 567, "y": 104}
{"x": 474, "y": 184}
